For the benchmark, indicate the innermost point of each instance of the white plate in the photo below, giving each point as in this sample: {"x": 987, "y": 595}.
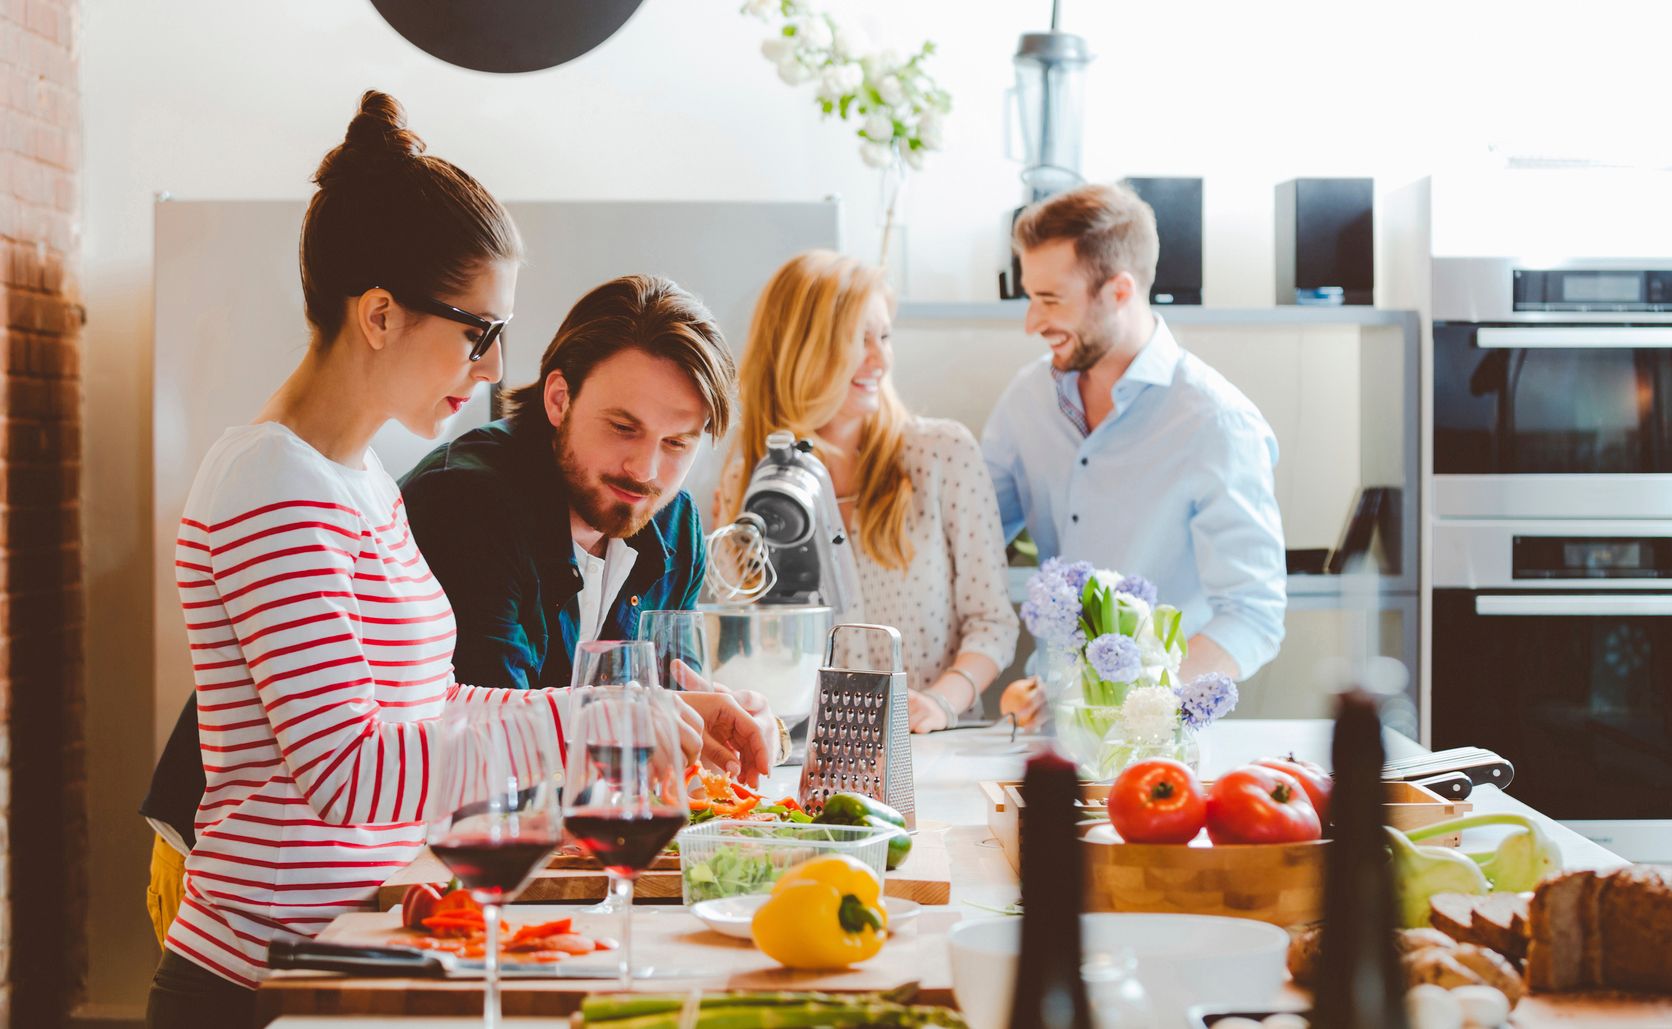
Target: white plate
{"x": 730, "y": 916}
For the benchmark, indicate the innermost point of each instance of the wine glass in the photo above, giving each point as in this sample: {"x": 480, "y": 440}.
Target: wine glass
{"x": 677, "y": 636}
{"x": 613, "y": 663}
{"x": 496, "y": 815}
{"x": 625, "y": 793}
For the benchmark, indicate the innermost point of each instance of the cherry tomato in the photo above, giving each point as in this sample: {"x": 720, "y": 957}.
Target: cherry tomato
{"x": 1157, "y": 801}
{"x": 1312, "y": 778}
{"x": 1255, "y": 804}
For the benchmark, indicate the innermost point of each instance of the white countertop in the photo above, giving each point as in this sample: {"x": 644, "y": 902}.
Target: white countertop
{"x": 948, "y": 766}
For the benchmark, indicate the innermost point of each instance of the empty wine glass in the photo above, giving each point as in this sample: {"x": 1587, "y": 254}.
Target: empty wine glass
{"x": 496, "y": 815}
{"x": 678, "y": 636}
{"x": 626, "y": 791}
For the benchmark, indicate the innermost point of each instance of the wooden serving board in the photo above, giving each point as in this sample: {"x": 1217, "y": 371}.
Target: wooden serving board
{"x": 926, "y": 877}
{"x": 668, "y": 937}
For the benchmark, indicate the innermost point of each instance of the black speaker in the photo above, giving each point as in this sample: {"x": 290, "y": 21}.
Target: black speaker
{"x": 1326, "y": 241}
{"x": 1178, "y": 221}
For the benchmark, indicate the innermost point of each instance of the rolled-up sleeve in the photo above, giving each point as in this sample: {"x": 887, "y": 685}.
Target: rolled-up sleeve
{"x": 1237, "y": 533}
{"x": 975, "y": 539}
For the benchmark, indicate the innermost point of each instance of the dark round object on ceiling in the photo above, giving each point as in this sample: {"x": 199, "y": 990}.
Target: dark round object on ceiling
{"x": 506, "y": 36}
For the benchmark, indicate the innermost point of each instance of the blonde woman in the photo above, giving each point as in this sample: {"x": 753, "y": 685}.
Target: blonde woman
{"x": 914, "y": 492}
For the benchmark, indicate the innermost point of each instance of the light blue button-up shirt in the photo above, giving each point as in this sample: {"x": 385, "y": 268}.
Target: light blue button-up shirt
{"x": 1175, "y": 484}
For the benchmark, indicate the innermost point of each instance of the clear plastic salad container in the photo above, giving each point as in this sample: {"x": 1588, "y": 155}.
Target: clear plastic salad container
{"x": 725, "y": 858}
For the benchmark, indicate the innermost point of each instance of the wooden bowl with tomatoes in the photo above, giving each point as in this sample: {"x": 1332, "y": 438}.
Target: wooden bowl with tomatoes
{"x": 1250, "y": 844}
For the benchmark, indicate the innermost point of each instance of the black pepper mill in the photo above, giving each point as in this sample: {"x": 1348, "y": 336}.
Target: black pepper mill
{"x": 1049, "y": 991}
{"x": 1361, "y": 984}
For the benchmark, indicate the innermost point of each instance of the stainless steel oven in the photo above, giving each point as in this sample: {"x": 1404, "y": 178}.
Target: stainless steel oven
{"x": 1552, "y": 535}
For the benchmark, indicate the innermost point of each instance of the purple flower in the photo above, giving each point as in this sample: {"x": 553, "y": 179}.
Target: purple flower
{"x": 1077, "y": 575}
{"x": 1052, "y": 609}
{"x": 1139, "y": 587}
{"x": 1115, "y": 658}
{"x": 1206, "y": 699}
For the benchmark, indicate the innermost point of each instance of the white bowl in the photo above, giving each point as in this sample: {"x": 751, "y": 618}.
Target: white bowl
{"x": 1183, "y": 960}
{"x": 731, "y": 916}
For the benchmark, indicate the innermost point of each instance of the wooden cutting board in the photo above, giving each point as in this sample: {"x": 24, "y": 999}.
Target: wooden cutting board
{"x": 926, "y": 877}
{"x": 666, "y": 936}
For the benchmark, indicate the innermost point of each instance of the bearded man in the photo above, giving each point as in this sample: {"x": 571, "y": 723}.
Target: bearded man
{"x": 1123, "y": 449}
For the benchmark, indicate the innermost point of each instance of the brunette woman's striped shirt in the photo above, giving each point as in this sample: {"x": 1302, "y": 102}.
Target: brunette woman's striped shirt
{"x": 322, "y": 651}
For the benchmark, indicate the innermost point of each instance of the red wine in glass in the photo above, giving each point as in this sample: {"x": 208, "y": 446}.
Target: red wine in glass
{"x": 494, "y": 867}
{"x": 624, "y": 842}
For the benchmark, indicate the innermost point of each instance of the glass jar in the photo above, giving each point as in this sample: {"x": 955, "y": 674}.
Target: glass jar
{"x": 1117, "y": 998}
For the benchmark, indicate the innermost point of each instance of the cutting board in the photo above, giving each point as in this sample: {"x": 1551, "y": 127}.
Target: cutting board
{"x": 926, "y": 877}
{"x": 666, "y": 936}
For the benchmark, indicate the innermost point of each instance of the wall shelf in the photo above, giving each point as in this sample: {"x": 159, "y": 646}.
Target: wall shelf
{"x": 1015, "y": 310}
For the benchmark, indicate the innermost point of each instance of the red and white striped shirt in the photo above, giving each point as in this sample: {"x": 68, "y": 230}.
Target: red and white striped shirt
{"x": 322, "y": 649}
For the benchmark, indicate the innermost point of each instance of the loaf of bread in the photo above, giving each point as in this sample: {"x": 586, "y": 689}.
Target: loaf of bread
{"x": 1607, "y": 931}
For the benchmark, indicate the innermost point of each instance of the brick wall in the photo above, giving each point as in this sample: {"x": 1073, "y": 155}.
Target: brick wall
{"x": 42, "y": 770}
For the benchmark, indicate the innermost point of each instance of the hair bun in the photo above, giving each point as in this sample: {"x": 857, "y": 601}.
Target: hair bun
{"x": 376, "y": 139}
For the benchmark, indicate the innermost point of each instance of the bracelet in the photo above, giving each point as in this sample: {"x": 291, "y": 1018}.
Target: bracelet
{"x": 975, "y": 688}
{"x": 945, "y": 706}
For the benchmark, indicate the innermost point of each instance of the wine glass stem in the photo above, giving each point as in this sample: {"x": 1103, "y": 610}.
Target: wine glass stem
{"x": 621, "y": 893}
{"x": 490, "y": 968}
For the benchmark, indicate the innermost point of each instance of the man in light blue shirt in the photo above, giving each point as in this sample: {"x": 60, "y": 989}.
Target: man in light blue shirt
{"x": 1123, "y": 449}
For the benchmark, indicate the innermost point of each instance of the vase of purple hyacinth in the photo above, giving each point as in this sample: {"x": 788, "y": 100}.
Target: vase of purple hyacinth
{"x": 1110, "y": 664}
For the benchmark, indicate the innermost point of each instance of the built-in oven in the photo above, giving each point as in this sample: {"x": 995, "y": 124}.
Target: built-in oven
{"x": 1551, "y": 612}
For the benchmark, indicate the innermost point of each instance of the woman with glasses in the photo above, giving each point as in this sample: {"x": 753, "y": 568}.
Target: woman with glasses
{"x": 322, "y": 645}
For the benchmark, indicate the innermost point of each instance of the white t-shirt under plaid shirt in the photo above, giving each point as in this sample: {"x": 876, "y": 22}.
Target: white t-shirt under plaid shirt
{"x": 322, "y": 650}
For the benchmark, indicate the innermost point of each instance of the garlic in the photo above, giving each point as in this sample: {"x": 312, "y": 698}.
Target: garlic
{"x": 1483, "y": 1006}
{"x": 1433, "y": 1007}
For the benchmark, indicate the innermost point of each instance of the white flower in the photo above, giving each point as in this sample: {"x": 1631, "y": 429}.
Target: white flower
{"x": 877, "y": 155}
{"x": 814, "y": 32}
{"x": 881, "y": 63}
{"x": 1105, "y": 578}
{"x": 792, "y": 71}
{"x": 849, "y": 40}
{"x": 931, "y": 130}
{"x": 890, "y": 90}
{"x": 914, "y": 158}
{"x": 879, "y": 127}
{"x": 761, "y": 8}
{"x": 1149, "y": 713}
{"x": 838, "y": 81}
{"x": 1132, "y": 603}
{"x": 776, "y": 48}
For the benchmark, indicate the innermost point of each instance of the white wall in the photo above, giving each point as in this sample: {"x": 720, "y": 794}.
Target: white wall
{"x": 239, "y": 98}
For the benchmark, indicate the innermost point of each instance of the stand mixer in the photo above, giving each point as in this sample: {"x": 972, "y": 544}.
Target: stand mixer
{"x": 788, "y": 546}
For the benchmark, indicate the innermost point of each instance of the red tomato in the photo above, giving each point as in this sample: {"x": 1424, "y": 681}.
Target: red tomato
{"x": 1157, "y": 801}
{"x": 1312, "y": 778}
{"x": 1255, "y": 804}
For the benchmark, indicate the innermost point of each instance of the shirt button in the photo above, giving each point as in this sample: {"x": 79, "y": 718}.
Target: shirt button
{"x": 633, "y": 601}
{"x": 1074, "y": 518}
{"x": 1084, "y": 461}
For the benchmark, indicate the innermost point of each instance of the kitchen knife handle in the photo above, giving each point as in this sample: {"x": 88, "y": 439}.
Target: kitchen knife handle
{"x": 1483, "y": 767}
{"x": 1450, "y": 785}
{"x": 291, "y": 951}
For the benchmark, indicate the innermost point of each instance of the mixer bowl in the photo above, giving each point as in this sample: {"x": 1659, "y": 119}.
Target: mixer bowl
{"x": 774, "y": 649}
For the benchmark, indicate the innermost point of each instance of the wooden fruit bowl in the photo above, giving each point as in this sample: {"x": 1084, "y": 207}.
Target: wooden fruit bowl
{"x": 1282, "y": 883}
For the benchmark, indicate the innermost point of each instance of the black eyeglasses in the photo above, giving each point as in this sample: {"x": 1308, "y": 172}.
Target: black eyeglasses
{"x": 491, "y": 329}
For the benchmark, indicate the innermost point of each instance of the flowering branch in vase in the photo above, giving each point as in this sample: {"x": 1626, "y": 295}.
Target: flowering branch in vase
{"x": 900, "y": 107}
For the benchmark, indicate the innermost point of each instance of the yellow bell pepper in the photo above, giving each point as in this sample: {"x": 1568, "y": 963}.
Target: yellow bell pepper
{"x": 823, "y": 913}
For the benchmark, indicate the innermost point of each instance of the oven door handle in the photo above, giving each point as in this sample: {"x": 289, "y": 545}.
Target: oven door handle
{"x": 1590, "y": 605}
{"x": 1575, "y": 337}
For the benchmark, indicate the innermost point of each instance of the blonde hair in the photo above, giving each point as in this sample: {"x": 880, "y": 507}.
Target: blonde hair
{"x": 1112, "y": 228}
{"x": 803, "y": 341}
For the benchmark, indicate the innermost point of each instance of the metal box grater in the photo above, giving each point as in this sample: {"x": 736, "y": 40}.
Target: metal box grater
{"x": 860, "y": 740}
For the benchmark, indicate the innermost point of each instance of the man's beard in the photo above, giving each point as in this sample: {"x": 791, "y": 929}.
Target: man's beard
{"x": 594, "y": 503}
{"x": 1091, "y": 342}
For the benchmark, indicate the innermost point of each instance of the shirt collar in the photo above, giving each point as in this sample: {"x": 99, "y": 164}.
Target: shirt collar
{"x": 1154, "y": 366}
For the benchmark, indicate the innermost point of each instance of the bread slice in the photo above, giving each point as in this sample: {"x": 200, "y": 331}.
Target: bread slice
{"x": 1634, "y": 911}
{"x": 1556, "y": 925}
{"x": 1499, "y": 922}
